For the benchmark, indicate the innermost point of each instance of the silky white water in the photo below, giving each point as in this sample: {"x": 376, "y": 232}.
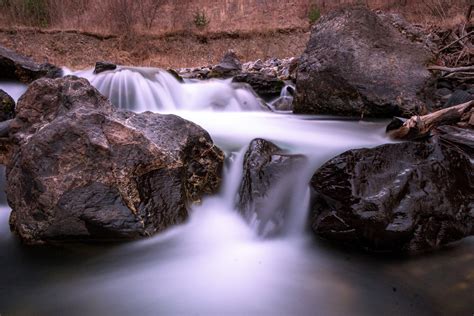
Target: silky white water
{"x": 216, "y": 264}
{"x": 150, "y": 89}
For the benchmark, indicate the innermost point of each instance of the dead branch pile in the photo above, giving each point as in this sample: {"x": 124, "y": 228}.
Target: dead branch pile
{"x": 455, "y": 50}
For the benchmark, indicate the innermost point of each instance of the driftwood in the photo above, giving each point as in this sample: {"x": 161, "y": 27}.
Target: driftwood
{"x": 421, "y": 126}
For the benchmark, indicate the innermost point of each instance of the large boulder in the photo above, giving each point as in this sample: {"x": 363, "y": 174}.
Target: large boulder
{"x": 82, "y": 171}
{"x": 404, "y": 197}
{"x": 358, "y": 64}
{"x": 16, "y": 67}
{"x": 265, "y": 191}
{"x": 7, "y": 106}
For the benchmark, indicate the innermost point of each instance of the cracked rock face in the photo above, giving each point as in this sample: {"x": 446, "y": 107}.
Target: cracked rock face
{"x": 406, "y": 197}
{"x": 82, "y": 171}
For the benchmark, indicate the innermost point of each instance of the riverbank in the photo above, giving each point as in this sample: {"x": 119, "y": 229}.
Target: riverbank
{"x": 79, "y": 50}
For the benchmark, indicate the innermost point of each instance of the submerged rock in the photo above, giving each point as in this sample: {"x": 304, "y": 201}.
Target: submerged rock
{"x": 405, "y": 197}
{"x": 16, "y": 67}
{"x": 82, "y": 171}
{"x": 357, "y": 64}
{"x": 7, "y": 106}
{"x": 264, "y": 194}
{"x": 175, "y": 74}
{"x": 102, "y": 66}
{"x": 283, "y": 104}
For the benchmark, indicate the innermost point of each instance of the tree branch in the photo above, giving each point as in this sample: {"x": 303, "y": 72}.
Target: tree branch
{"x": 459, "y": 39}
{"x": 450, "y": 70}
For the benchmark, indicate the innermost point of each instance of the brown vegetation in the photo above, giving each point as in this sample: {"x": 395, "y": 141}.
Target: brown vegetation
{"x": 161, "y": 16}
{"x": 76, "y": 33}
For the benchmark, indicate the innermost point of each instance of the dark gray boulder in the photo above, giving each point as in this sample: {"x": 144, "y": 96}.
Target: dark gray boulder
{"x": 16, "y": 67}
{"x": 82, "y": 171}
{"x": 405, "y": 197}
{"x": 358, "y": 64}
{"x": 265, "y": 194}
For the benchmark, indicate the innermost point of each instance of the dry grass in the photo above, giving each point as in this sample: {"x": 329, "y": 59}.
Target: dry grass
{"x": 161, "y": 32}
{"x": 129, "y": 17}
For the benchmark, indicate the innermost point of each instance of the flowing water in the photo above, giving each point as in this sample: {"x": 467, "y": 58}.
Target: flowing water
{"x": 216, "y": 264}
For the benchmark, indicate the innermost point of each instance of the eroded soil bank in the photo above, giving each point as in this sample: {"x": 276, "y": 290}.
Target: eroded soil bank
{"x": 81, "y": 50}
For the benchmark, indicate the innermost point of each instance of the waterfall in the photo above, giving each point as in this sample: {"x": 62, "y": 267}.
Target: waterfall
{"x": 151, "y": 89}
{"x": 233, "y": 172}
{"x": 234, "y": 116}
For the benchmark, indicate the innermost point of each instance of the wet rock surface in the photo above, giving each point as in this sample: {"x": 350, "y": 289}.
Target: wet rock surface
{"x": 458, "y": 97}
{"x": 283, "y": 69}
{"x": 7, "y": 106}
{"x": 16, "y": 67}
{"x": 102, "y": 66}
{"x": 263, "y": 197}
{"x": 265, "y": 86}
{"x": 405, "y": 197}
{"x": 284, "y": 103}
{"x": 358, "y": 64}
{"x": 267, "y": 78}
{"x": 82, "y": 171}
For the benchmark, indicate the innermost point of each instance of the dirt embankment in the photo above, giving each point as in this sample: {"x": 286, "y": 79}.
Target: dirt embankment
{"x": 255, "y": 29}
{"x": 78, "y": 50}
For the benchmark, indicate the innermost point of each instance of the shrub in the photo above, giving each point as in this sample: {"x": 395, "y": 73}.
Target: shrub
{"x": 314, "y": 14}
{"x": 200, "y": 19}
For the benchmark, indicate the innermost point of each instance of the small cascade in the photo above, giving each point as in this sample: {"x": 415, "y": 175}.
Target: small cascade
{"x": 233, "y": 172}
{"x": 285, "y": 101}
{"x": 14, "y": 89}
{"x": 151, "y": 89}
{"x": 288, "y": 91}
{"x": 284, "y": 210}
